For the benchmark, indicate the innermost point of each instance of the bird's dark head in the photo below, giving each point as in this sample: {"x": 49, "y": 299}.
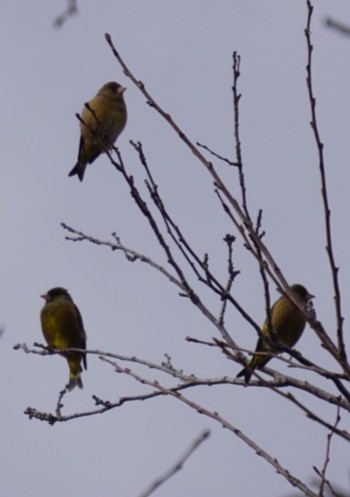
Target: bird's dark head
{"x": 302, "y": 293}
{"x": 55, "y": 293}
{"x": 112, "y": 88}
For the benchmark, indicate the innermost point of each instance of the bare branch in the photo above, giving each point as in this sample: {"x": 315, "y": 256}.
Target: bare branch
{"x": 225, "y": 424}
{"x": 245, "y": 228}
{"x": 70, "y": 10}
{"x": 180, "y": 282}
{"x": 218, "y": 182}
{"x": 218, "y": 156}
{"x": 327, "y": 213}
{"x": 178, "y": 465}
{"x": 337, "y": 26}
{"x": 236, "y": 69}
{"x": 322, "y": 473}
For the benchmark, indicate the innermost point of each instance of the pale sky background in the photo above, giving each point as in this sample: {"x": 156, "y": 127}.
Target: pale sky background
{"x": 182, "y": 51}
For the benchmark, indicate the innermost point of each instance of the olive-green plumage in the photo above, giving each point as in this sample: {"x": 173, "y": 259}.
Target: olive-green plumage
{"x": 63, "y": 328}
{"x": 288, "y": 324}
{"x": 98, "y": 134}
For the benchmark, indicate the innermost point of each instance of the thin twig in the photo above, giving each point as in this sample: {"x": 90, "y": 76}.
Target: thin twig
{"x": 322, "y": 474}
{"x": 236, "y": 72}
{"x": 229, "y": 239}
{"x": 178, "y": 465}
{"x": 313, "y": 416}
{"x": 70, "y": 10}
{"x": 338, "y": 26}
{"x": 218, "y": 156}
{"x": 327, "y": 213}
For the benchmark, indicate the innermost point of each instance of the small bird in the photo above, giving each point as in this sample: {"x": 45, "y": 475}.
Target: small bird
{"x": 63, "y": 328}
{"x": 288, "y": 324}
{"x": 100, "y": 132}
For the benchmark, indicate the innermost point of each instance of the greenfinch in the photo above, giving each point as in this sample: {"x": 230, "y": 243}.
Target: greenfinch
{"x": 100, "y": 132}
{"x": 63, "y": 328}
{"x": 288, "y": 324}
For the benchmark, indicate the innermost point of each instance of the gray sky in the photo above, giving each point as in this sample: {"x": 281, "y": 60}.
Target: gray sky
{"x": 182, "y": 52}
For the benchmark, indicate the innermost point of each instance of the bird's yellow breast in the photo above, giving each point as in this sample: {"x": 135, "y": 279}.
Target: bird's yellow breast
{"x": 60, "y": 326}
{"x": 287, "y": 322}
{"x": 111, "y": 114}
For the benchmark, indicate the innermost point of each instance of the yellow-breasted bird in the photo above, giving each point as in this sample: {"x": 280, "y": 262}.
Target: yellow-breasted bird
{"x": 63, "y": 328}
{"x": 288, "y": 324}
{"x": 98, "y": 134}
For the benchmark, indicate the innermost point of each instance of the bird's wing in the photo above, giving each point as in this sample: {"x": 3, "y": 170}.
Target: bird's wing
{"x": 81, "y": 326}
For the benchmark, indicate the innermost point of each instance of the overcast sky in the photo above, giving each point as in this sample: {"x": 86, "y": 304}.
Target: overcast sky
{"x": 182, "y": 51}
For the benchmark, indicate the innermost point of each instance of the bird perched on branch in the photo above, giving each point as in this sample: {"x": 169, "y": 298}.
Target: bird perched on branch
{"x": 288, "y": 324}
{"x": 101, "y": 125}
{"x": 63, "y": 328}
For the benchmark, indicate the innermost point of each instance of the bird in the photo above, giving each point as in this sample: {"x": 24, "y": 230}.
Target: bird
{"x": 63, "y": 328}
{"x": 287, "y": 322}
{"x": 100, "y": 131}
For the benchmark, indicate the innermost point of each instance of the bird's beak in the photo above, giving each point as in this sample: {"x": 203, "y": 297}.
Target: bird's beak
{"x": 45, "y": 296}
{"x": 121, "y": 90}
{"x": 310, "y": 296}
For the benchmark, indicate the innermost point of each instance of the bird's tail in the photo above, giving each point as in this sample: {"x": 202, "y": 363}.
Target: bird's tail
{"x": 74, "y": 381}
{"x": 79, "y": 170}
{"x": 246, "y": 373}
